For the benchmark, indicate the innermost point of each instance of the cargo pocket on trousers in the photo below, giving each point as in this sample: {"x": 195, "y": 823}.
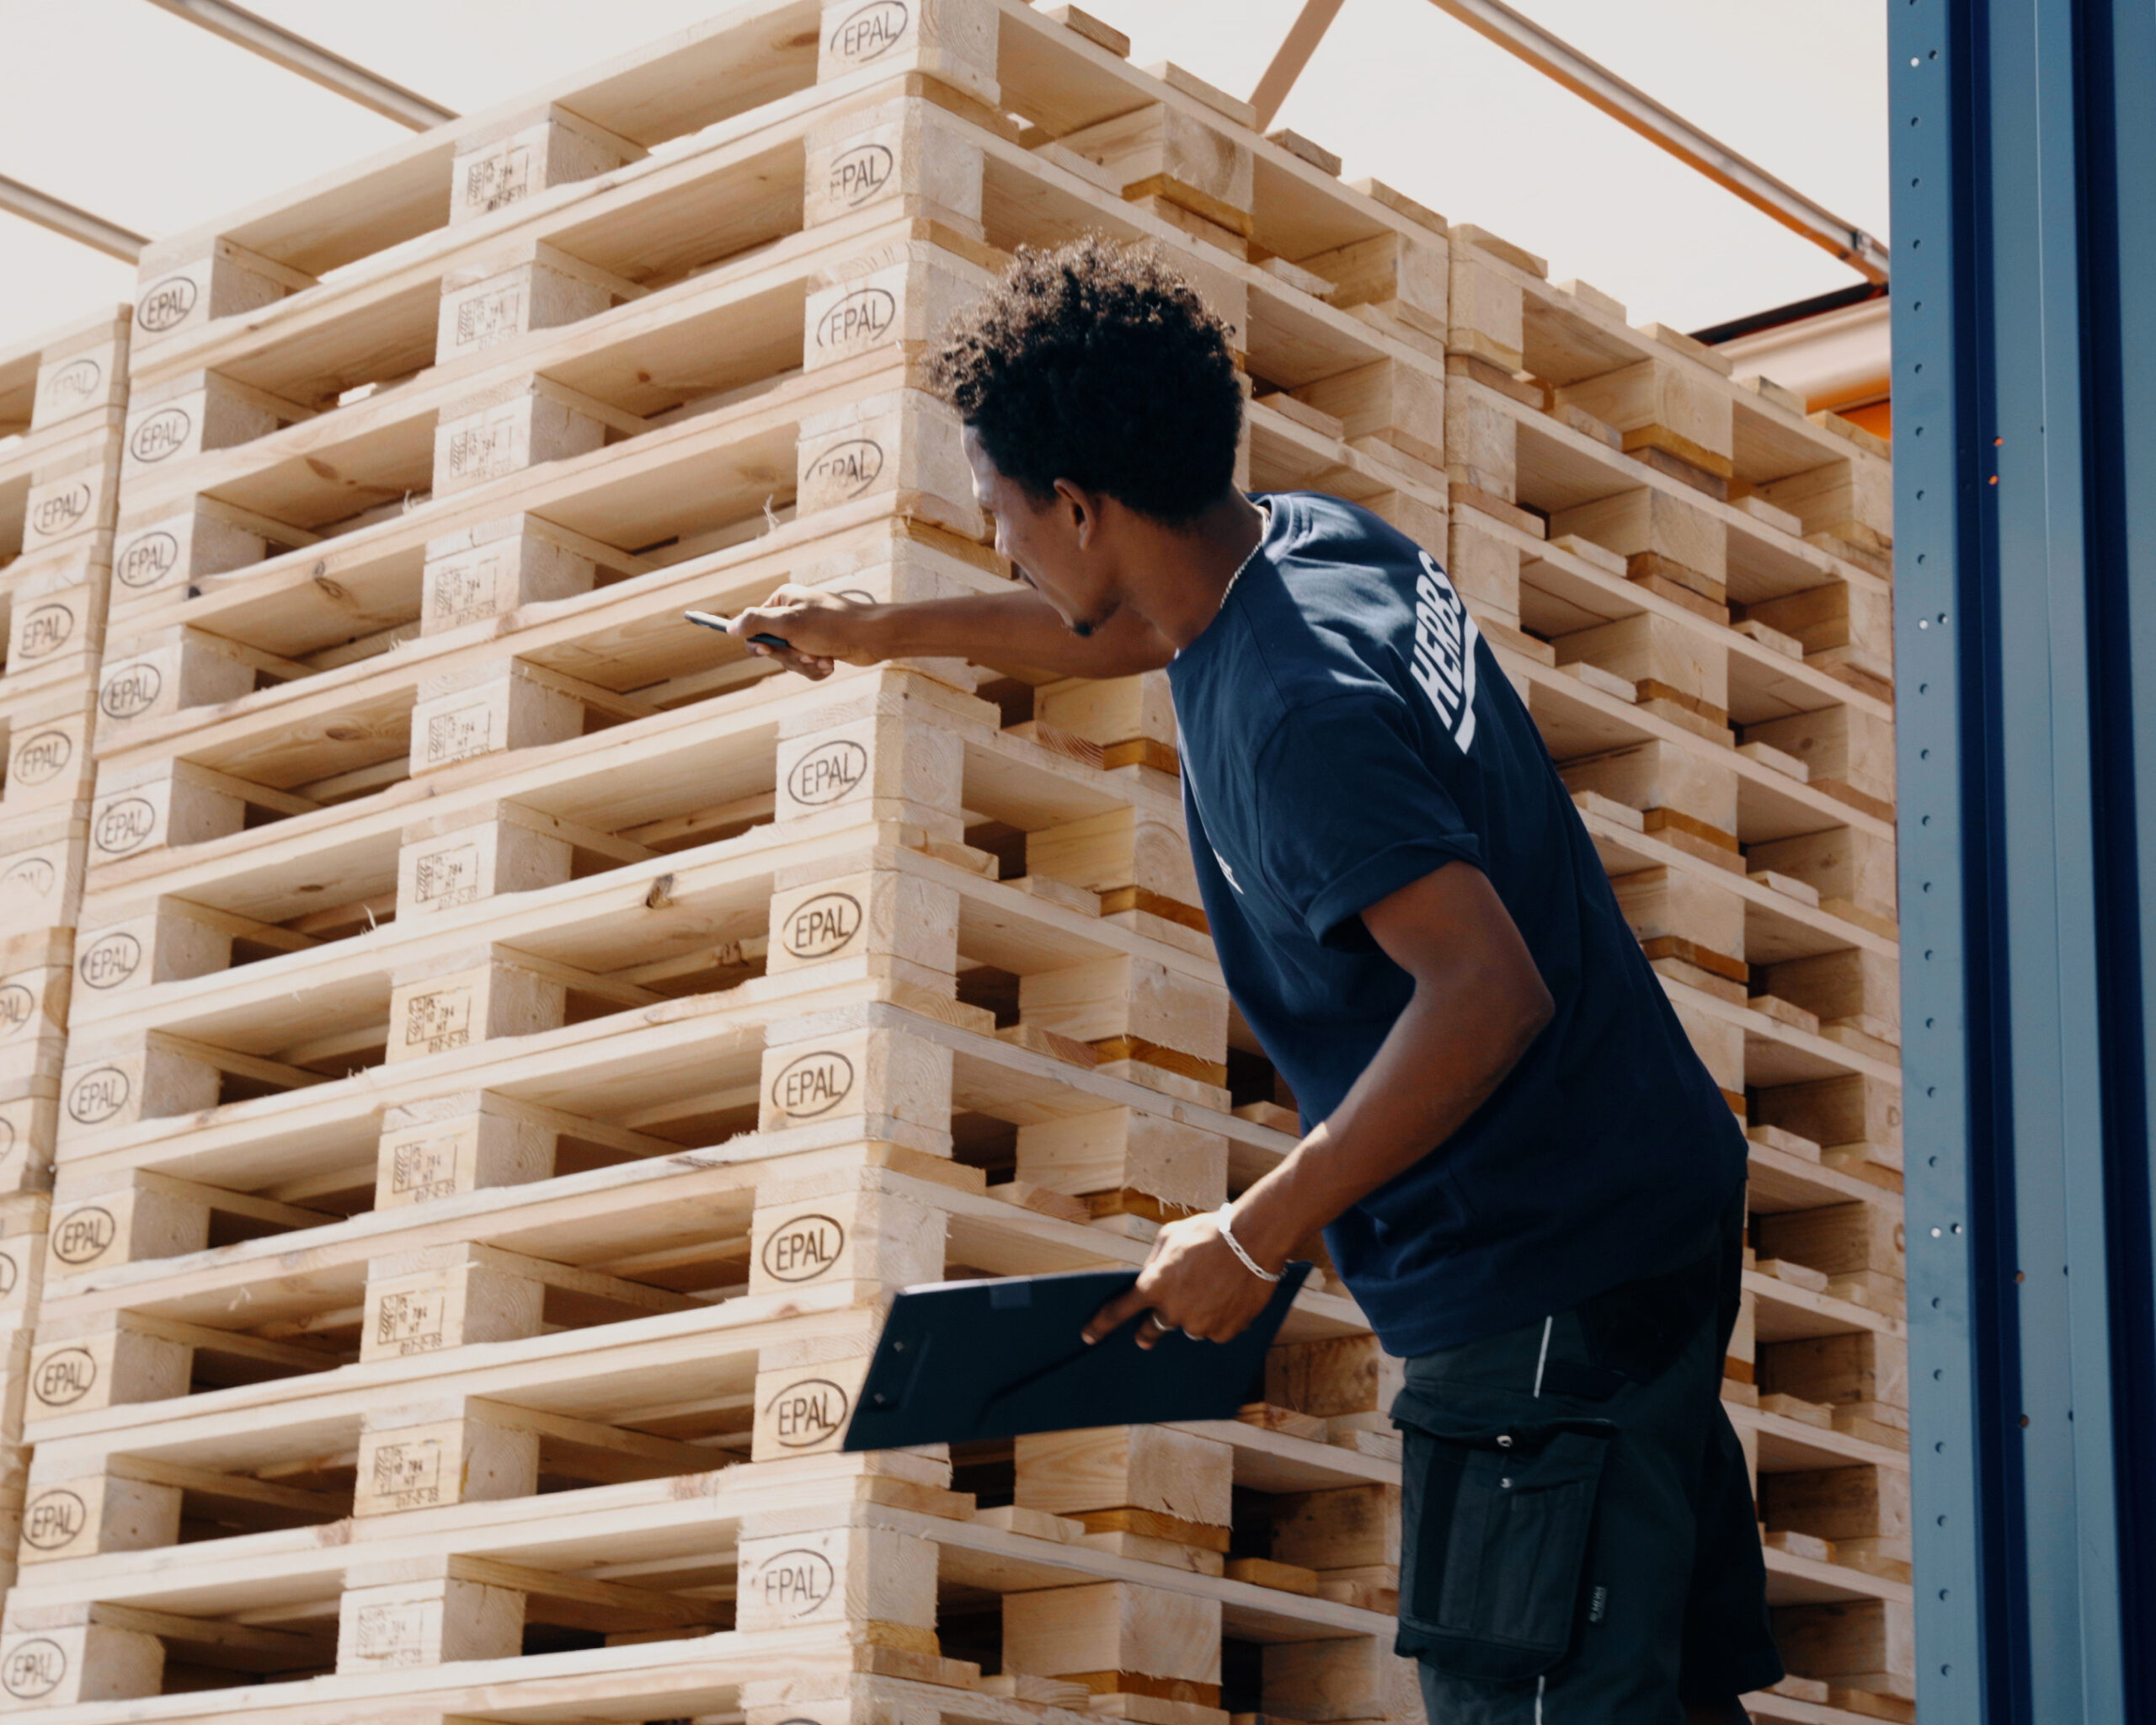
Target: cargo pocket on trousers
{"x": 1495, "y": 1529}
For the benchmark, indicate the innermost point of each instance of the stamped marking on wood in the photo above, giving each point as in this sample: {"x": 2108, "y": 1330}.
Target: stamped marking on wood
{"x": 164, "y": 433}
{"x": 130, "y": 691}
{"x": 32, "y": 1668}
{"x": 53, "y": 1518}
{"x": 803, "y": 1249}
{"x": 862, "y": 317}
{"x": 423, "y": 1169}
{"x": 123, "y": 825}
{"x": 110, "y": 959}
{"x": 147, "y": 559}
{"x": 18, "y": 1006}
{"x": 812, "y": 1085}
{"x": 73, "y": 384}
{"x": 873, "y": 31}
{"x": 166, "y": 305}
{"x": 809, "y": 1412}
{"x": 409, "y": 1474}
{"x": 459, "y": 734}
{"x": 412, "y": 1321}
{"x": 41, "y": 757}
{"x": 498, "y": 176}
{"x": 445, "y": 878}
{"x": 859, "y": 173}
{"x": 439, "y": 1020}
{"x": 44, "y": 631}
{"x": 98, "y": 1095}
{"x": 464, "y": 590}
{"x": 828, "y": 773}
{"x": 27, "y": 878}
{"x": 485, "y": 449}
{"x": 62, "y": 1379}
{"x": 84, "y": 1234}
{"x": 796, "y": 1584}
{"x": 390, "y": 1635}
{"x": 818, "y": 927}
{"x": 486, "y": 319}
{"x": 848, "y": 468}
{"x": 56, "y": 511}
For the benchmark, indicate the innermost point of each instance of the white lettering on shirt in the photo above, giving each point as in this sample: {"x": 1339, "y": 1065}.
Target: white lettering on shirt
{"x": 1443, "y": 658}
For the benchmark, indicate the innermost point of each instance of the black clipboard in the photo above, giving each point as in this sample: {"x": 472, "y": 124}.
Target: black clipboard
{"x": 965, "y": 1360}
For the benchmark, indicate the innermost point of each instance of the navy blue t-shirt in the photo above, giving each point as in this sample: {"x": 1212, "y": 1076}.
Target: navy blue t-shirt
{"x": 1345, "y": 731}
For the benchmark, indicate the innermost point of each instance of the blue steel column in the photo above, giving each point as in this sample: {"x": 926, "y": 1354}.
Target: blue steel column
{"x": 1963, "y": 1653}
{"x": 2116, "y": 57}
{"x": 2024, "y": 374}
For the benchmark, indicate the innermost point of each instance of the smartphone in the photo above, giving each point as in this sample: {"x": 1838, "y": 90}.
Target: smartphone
{"x": 710, "y": 621}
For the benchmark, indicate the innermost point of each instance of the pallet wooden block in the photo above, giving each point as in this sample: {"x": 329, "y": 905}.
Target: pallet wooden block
{"x": 1116, "y": 1639}
{"x": 52, "y": 605}
{"x": 1688, "y": 797}
{"x": 1672, "y": 671}
{"x": 1850, "y": 753}
{"x": 1669, "y": 547}
{"x": 1862, "y": 1647}
{"x": 1688, "y": 919}
{"x": 1851, "y": 867}
{"x": 1121, "y": 1161}
{"x": 1663, "y": 408}
{"x": 1142, "y": 1486}
{"x": 1855, "y": 988}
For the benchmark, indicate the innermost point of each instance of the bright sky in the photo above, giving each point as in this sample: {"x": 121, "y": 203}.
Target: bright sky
{"x": 146, "y": 119}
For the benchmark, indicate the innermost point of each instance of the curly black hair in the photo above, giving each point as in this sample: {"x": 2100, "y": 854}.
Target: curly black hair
{"x": 1097, "y": 363}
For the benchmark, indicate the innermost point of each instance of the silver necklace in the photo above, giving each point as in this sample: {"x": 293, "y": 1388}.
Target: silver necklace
{"x": 1264, "y": 526}
{"x": 1264, "y": 510}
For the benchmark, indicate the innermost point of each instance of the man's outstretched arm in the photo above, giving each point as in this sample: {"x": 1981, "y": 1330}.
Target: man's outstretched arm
{"x": 1479, "y": 1002}
{"x": 1016, "y": 627}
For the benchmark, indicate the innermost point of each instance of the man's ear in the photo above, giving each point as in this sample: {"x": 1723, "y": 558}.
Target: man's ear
{"x": 1083, "y": 511}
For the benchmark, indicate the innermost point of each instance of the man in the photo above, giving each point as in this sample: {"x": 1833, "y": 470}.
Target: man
{"x": 1530, "y": 1184}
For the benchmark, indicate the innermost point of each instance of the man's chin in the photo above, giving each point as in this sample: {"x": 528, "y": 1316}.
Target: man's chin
{"x": 1084, "y": 626}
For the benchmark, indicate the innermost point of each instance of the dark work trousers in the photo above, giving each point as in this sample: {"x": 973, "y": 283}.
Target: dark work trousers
{"x": 1579, "y": 1544}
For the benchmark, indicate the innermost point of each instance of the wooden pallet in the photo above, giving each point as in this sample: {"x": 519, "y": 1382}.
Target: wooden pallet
{"x": 62, "y": 403}
{"x": 1702, "y": 573}
{"x": 514, "y": 1042}
{"x": 62, "y": 398}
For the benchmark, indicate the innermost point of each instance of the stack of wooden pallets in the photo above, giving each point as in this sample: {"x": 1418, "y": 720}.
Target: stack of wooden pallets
{"x": 516, "y": 1042}
{"x": 1703, "y": 576}
{"x": 62, "y": 403}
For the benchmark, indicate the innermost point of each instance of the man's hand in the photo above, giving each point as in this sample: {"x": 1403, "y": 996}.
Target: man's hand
{"x": 1478, "y": 1003}
{"x": 821, "y": 629}
{"x": 1192, "y": 1282}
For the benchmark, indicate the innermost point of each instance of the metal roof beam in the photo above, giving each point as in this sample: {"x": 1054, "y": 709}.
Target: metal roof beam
{"x": 1296, "y": 48}
{"x": 1637, "y": 111}
{"x": 333, "y": 71}
{"x": 64, "y": 218}
{"x": 1627, "y": 103}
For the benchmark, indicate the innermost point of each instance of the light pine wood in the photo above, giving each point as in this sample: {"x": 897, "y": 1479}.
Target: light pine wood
{"x": 515, "y": 1043}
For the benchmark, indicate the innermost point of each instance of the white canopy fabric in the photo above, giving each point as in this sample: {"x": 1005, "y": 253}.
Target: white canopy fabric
{"x": 127, "y": 111}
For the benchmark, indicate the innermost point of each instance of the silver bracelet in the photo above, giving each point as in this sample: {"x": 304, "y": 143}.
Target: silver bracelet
{"x": 1226, "y": 1214}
